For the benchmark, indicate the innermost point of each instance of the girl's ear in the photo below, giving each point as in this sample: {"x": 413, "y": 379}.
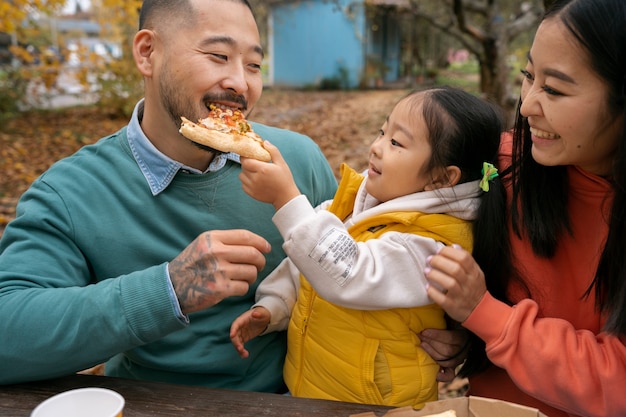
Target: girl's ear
{"x": 448, "y": 177}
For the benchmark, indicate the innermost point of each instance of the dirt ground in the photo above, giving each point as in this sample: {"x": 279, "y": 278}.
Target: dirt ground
{"x": 342, "y": 123}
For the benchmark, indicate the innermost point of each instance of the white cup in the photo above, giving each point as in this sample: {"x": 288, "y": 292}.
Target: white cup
{"x": 92, "y": 402}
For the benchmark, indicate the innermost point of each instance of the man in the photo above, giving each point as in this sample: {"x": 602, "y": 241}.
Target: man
{"x": 140, "y": 250}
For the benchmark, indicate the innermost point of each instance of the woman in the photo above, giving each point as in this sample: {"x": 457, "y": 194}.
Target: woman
{"x": 550, "y": 304}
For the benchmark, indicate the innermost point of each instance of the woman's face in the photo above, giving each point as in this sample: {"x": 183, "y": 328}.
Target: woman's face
{"x": 566, "y": 104}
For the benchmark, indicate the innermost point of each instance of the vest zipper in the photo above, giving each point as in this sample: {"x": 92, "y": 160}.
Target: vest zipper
{"x": 305, "y": 324}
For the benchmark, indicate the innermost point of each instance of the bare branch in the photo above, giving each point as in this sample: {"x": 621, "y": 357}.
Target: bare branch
{"x": 451, "y": 30}
{"x": 524, "y": 22}
{"x": 476, "y": 6}
{"x": 459, "y": 12}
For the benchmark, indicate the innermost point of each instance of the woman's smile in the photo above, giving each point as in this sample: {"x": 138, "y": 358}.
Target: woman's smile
{"x": 542, "y": 134}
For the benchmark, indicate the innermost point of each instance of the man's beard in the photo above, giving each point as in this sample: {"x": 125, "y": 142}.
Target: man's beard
{"x": 174, "y": 100}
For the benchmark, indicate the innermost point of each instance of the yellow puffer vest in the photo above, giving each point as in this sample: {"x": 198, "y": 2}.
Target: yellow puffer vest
{"x": 371, "y": 357}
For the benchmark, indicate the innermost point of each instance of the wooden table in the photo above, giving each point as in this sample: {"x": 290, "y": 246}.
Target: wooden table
{"x": 158, "y": 399}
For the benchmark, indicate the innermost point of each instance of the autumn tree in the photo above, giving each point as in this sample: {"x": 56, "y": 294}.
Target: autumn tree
{"x": 34, "y": 69}
{"x": 120, "y": 83}
{"x": 486, "y": 28}
{"x": 13, "y": 12}
{"x": 14, "y": 78}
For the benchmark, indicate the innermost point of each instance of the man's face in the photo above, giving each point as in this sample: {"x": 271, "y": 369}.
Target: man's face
{"x": 216, "y": 59}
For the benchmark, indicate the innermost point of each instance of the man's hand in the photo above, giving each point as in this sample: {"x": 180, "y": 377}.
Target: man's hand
{"x": 269, "y": 182}
{"x": 447, "y": 347}
{"x": 216, "y": 265}
{"x": 248, "y": 326}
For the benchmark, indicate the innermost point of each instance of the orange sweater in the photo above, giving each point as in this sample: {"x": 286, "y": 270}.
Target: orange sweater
{"x": 550, "y": 351}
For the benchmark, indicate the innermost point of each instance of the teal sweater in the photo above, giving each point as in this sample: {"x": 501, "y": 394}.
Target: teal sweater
{"x": 83, "y": 269}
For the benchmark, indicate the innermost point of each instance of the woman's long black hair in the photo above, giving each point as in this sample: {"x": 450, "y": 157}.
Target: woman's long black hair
{"x": 600, "y": 28}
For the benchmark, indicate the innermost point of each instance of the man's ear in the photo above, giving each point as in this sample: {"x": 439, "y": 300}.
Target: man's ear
{"x": 143, "y": 48}
{"x": 448, "y": 177}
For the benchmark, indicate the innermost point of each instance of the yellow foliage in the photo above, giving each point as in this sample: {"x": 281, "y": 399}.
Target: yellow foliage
{"x": 122, "y": 12}
{"x": 21, "y": 54}
{"x": 81, "y": 76}
{"x": 49, "y": 78}
{"x": 116, "y": 79}
{"x": 121, "y": 84}
{"x": 14, "y": 11}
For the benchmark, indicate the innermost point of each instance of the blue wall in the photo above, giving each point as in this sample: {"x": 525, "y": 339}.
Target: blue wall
{"x": 311, "y": 40}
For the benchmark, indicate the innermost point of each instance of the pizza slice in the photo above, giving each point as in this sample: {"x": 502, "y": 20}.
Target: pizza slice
{"x": 226, "y": 130}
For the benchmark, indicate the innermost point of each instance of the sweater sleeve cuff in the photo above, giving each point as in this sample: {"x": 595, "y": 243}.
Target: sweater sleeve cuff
{"x": 279, "y": 318}
{"x": 175, "y": 303}
{"x": 489, "y": 318}
{"x": 147, "y": 303}
{"x": 291, "y": 214}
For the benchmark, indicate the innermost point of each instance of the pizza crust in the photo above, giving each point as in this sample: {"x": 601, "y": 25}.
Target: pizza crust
{"x": 448, "y": 413}
{"x": 243, "y": 145}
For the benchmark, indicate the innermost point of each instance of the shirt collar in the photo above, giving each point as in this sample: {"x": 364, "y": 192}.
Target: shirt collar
{"x": 159, "y": 169}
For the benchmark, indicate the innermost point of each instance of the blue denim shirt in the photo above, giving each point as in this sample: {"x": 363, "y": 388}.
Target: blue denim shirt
{"x": 159, "y": 170}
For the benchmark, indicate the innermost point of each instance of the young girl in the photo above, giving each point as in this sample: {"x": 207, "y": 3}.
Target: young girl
{"x": 351, "y": 336}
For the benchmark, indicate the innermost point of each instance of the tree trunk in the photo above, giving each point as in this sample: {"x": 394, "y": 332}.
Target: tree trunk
{"x": 494, "y": 73}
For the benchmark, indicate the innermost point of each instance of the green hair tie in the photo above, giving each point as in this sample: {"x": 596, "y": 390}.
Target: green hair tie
{"x": 489, "y": 173}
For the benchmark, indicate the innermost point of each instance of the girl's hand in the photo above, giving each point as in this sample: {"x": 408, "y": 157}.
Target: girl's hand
{"x": 457, "y": 283}
{"x": 248, "y": 326}
{"x": 269, "y": 182}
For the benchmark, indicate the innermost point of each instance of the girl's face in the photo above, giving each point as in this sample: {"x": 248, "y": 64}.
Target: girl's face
{"x": 566, "y": 104}
{"x": 400, "y": 154}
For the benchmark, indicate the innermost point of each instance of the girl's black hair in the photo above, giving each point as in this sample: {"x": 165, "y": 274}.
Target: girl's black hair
{"x": 598, "y": 26}
{"x": 463, "y": 130}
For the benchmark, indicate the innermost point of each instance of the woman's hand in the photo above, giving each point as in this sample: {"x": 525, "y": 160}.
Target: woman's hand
{"x": 457, "y": 283}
